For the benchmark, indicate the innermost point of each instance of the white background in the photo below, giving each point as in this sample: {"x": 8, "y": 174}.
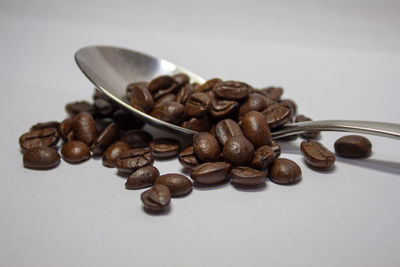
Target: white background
{"x": 337, "y": 59}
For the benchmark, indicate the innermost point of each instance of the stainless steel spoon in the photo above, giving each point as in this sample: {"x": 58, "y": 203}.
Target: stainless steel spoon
{"x": 111, "y": 69}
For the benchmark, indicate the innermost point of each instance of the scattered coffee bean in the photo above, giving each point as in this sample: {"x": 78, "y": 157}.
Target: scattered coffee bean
{"x": 188, "y": 159}
{"x": 210, "y": 173}
{"x": 353, "y": 146}
{"x": 278, "y": 114}
{"x": 208, "y": 85}
{"x": 142, "y": 177}
{"x": 226, "y": 129}
{"x": 256, "y": 129}
{"x": 164, "y": 147}
{"x": 102, "y": 123}
{"x": 156, "y": 198}
{"x": 103, "y": 107}
{"x": 84, "y": 128}
{"x": 113, "y": 152}
{"x": 105, "y": 139}
{"x": 238, "y": 151}
{"x": 232, "y": 90}
{"x": 276, "y": 148}
{"x": 263, "y": 157}
{"x": 64, "y": 128}
{"x": 181, "y": 79}
{"x": 198, "y": 125}
{"x": 247, "y": 177}
{"x": 136, "y": 138}
{"x": 184, "y": 93}
{"x": 164, "y": 99}
{"x": 284, "y": 171}
{"x": 133, "y": 159}
{"x": 178, "y": 184}
{"x": 223, "y": 108}
{"x": 292, "y": 103}
{"x": 206, "y": 147}
{"x": 170, "y": 112}
{"x": 39, "y": 138}
{"x": 197, "y": 105}
{"x": 78, "y": 107}
{"x": 75, "y": 151}
{"x": 317, "y": 155}
{"x": 41, "y": 158}
{"x": 126, "y": 121}
{"x": 130, "y": 87}
{"x": 273, "y": 93}
{"x": 256, "y": 102}
{"x": 42, "y": 125}
{"x": 141, "y": 99}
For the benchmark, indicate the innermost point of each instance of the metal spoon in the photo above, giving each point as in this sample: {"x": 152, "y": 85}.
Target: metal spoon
{"x": 111, "y": 69}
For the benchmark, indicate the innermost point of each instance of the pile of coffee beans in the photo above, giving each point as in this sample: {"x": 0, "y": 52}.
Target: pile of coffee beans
{"x": 233, "y": 120}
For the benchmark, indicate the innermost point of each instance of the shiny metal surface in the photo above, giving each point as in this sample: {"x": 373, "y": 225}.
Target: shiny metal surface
{"x": 111, "y": 69}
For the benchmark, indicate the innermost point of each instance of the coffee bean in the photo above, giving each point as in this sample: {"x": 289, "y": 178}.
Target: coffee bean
{"x": 84, "y": 128}
{"x": 42, "y": 125}
{"x": 141, "y": 99}
{"x": 130, "y": 87}
{"x": 353, "y": 146}
{"x": 187, "y": 158}
{"x": 184, "y": 93}
{"x": 206, "y": 147}
{"x": 156, "y": 198}
{"x": 276, "y": 148}
{"x": 164, "y": 147}
{"x": 162, "y": 85}
{"x": 41, "y": 158}
{"x": 198, "y": 125}
{"x": 225, "y": 129}
{"x": 256, "y": 102}
{"x": 208, "y": 85}
{"x": 65, "y": 127}
{"x": 164, "y": 99}
{"x": 284, "y": 171}
{"x": 113, "y": 152}
{"x": 103, "y": 108}
{"x": 78, "y": 107}
{"x": 264, "y": 156}
{"x": 223, "y": 108}
{"x": 308, "y": 134}
{"x": 292, "y": 103}
{"x": 197, "y": 105}
{"x": 39, "y": 138}
{"x": 133, "y": 159}
{"x": 143, "y": 177}
{"x": 181, "y": 79}
{"x": 317, "y": 155}
{"x": 105, "y": 139}
{"x": 136, "y": 138}
{"x": 170, "y": 112}
{"x": 210, "y": 173}
{"x": 278, "y": 114}
{"x": 232, "y": 90}
{"x": 274, "y": 93}
{"x": 238, "y": 151}
{"x": 178, "y": 184}
{"x": 75, "y": 151}
{"x": 102, "y": 123}
{"x": 256, "y": 129}
{"x": 247, "y": 177}
{"x": 126, "y": 121}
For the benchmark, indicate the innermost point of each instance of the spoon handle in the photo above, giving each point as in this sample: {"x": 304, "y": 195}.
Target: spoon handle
{"x": 384, "y": 129}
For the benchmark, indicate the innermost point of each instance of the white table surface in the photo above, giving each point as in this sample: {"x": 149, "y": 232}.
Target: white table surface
{"x": 338, "y": 60}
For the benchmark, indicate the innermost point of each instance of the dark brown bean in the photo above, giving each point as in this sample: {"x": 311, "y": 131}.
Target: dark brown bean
{"x": 130, "y": 87}
{"x": 353, "y": 146}
{"x": 223, "y": 108}
{"x": 274, "y": 93}
{"x": 65, "y": 127}
{"x": 164, "y": 147}
{"x": 170, "y": 112}
{"x": 113, "y": 152}
{"x": 238, "y": 151}
{"x": 165, "y": 99}
{"x": 156, "y": 198}
{"x": 42, "y": 125}
{"x": 256, "y": 102}
{"x": 263, "y": 157}
{"x": 276, "y": 148}
{"x": 198, "y": 125}
{"x": 210, "y": 173}
{"x": 133, "y": 159}
{"x": 197, "y": 105}
{"x": 41, "y": 158}
{"x": 187, "y": 158}
{"x": 181, "y": 79}
{"x": 278, "y": 114}
{"x": 184, "y": 93}
{"x": 247, "y": 177}
{"x": 105, "y": 139}
{"x": 225, "y": 129}
{"x": 317, "y": 155}
{"x": 208, "y": 85}
{"x": 75, "y": 151}
{"x": 292, "y": 103}
{"x": 256, "y": 129}
{"x": 232, "y": 90}
{"x": 141, "y": 99}
{"x": 103, "y": 107}
{"x": 126, "y": 121}
{"x": 102, "y": 123}
{"x": 162, "y": 85}
{"x": 142, "y": 178}
{"x": 284, "y": 171}
{"x": 136, "y": 138}
{"x": 206, "y": 147}
{"x": 84, "y": 128}
{"x": 178, "y": 184}
{"x": 78, "y": 107}
{"x": 39, "y": 138}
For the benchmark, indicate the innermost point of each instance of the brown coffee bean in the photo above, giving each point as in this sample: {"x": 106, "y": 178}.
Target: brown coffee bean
{"x": 178, "y": 184}
{"x": 276, "y": 148}
{"x": 133, "y": 159}
{"x": 170, "y": 112}
{"x": 181, "y": 79}
{"x": 274, "y": 93}
{"x": 284, "y": 171}
{"x": 105, "y": 139}
{"x": 256, "y": 129}
{"x": 247, "y": 177}
{"x": 317, "y": 155}
{"x": 41, "y": 158}
{"x": 156, "y": 198}
{"x": 187, "y": 158}
{"x": 210, "y": 173}
{"x": 238, "y": 150}
{"x": 197, "y": 105}
{"x": 198, "y": 125}
{"x": 102, "y": 123}
{"x": 308, "y": 134}
{"x": 223, "y": 108}
{"x": 39, "y": 138}
{"x": 142, "y": 178}
{"x": 164, "y": 147}
{"x": 353, "y": 146}
{"x": 78, "y": 107}
{"x": 130, "y": 87}
{"x": 42, "y": 125}
{"x": 84, "y": 128}
{"x": 164, "y": 99}
{"x": 278, "y": 114}
{"x": 141, "y": 99}
{"x": 292, "y": 103}
{"x": 256, "y": 102}
{"x": 208, "y": 85}
{"x": 136, "y": 138}
{"x": 263, "y": 157}
{"x": 113, "y": 152}
{"x": 225, "y": 129}
{"x": 103, "y": 107}
{"x": 65, "y": 127}
{"x": 75, "y": 151}
{"x": 162, "y": 85}
{"x": 232, "y": 90}
{"x": 126, "y": 121}
{"x": 206, "y": 147}
{"x": 184, "y": 93}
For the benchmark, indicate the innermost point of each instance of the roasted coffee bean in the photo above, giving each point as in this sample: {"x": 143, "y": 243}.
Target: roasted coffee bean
{"x": 208, "y": 85}
{"x": 198, "y": 125}
{"x": 238, "y": 151}
{"x": 65, "y": 127}
{"x": 75, "y": 151}
{"x": 136, "y": 138}
{"x": 41, "y": 158}
{"x": 178, "y": 184}
{"x": 133, "y": 159}
{"x": 256, "y": 102}
{"x": 212, "y": 130}
{"x": 187, "y": 158}
{"x": 284, "y": 171}
{"x": 78, "y": 107}
{"x": 292, "y": 103}
{"x": 39, "y": 138}
{"x": 317, "y": 155}
{"x": 256, "y": 129}
{"x": 162, "y": 85}
{"x": 103, "y": 108}
{"x": 164, "y": 147}
{"x": 206, "y": 147}
{"x": 263, "y": 157}
{"x": 247, "y": 177}
{"x": 141, "y": 99}
{"x": 223, "y": 108}
{"x": 232, "y": 90}
{"x": 276, "y": 148}
{"x": 130, "y": 87}
{"x": 84, "y": 128}
{"x": 274, "y": 93}
{"x": 142, "y": 178}
{"x": 308, "y": 134}
{"x": 126, "y": 121}
{"x": 102, "y": 123}
{"x": 113, "y": 152}
{"x": 278, "y": 114}
{"x": 170, "y": 112}
{"x": 156, "y": 198}
{"x": 197, "y": 105}
{"x": 42, "y": 125}
{"x": 105, "y": 139}
{"x": 181, "y": 79}
{"x": 184, "y": 93}
{"x": 164, "y": 99}
{"x": 210, "y": 173}
{"x": 225, "y": 129}
{"x": 353, "y": 146}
